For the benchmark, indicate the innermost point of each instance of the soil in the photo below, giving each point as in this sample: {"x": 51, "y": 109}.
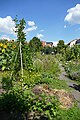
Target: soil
{"x": 66, "y": 99}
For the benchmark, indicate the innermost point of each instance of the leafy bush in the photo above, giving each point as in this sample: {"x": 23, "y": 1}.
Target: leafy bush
{"x": 73, "y": 70}
{"x": 6, "y": 83}
{"x": 75, "y": 75}
{"x": 46, "y": 106}
{"x": 38, "y": 65}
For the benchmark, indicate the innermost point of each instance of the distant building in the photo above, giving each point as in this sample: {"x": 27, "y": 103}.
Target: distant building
{"x": 45, "y": 44}
{"x": 74, "y": 42}
{"x": 50, "y": 44}
{"x": 78, "y": 42}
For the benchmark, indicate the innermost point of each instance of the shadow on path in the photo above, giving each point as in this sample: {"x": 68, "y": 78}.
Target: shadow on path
{"x": 76, "y": 87}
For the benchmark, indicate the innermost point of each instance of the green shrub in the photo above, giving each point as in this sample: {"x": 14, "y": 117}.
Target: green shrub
{"x": 6, "y": 83}
{"x": 73, "y": 70}
{"x": 75, "y": 75}
{"x": 45, "y": 105}
{"x": 46, "y": 63}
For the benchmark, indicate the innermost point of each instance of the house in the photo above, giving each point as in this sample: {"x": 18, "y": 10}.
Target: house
{"x": 74, "y": 42}
{"x": 45, "y": 44}
{"x": 50, "y": 44}
{"x": 78, "y": 42}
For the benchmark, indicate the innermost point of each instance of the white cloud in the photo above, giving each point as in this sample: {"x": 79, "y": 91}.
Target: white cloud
{"x": 7, "y": 25}
{"x": 73, "y": 16}
{"x": 39, "y": 35}
{"x": 5, "y": 37}
{"x": 31, "y": 23}
{"x": 55, "y": 43}
{"x": 65, "y": 26}
{"x": 31, "y": 29}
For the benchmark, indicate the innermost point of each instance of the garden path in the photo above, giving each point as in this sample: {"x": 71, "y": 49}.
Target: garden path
{"x": 75, "y": 88}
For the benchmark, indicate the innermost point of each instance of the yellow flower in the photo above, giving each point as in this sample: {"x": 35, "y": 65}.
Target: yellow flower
{"x": 4, "y": 46}
{"x": 12, "y": 41}
{"x": 1, "y": 44}
{"x": 6, "y": 41}
{"x": 14, "y": 46}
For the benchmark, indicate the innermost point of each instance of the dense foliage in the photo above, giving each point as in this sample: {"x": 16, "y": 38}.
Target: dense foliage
{"x": 60, "y": 46}
{"x": 7, "y": 52}
{"x": 35, "y": 44}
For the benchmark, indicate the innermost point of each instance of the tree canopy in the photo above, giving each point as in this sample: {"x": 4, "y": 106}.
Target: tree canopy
{"x": 35, "y": 44}
{"x": 60, "y": 46}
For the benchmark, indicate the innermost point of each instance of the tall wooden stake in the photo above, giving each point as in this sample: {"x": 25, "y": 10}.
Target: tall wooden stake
{"x": 21, "y": 60}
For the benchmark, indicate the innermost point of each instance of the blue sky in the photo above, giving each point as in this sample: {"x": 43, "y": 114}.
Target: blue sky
{"x": 50, "y": 20}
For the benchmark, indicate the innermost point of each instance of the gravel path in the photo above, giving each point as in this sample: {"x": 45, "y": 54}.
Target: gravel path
{"x": 75, "y": 90}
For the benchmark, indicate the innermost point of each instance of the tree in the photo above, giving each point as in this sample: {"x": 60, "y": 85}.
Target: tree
{"x": 35, "y": 44}
{"x": 76, "y": 51}
{"x": 54, "y": 50}
{"x": 60, "y": 46}
{"x": 47, "y": 50}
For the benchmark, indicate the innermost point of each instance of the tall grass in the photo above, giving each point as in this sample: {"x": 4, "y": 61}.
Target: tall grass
{"x": 46, "y": 63}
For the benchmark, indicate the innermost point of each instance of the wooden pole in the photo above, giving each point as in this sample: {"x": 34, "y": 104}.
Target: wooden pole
{"x": 21, "y": 60}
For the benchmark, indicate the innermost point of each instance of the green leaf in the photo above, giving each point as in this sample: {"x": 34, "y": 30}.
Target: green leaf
{"x": 3, "y": 50}
{"x": 4, "y": 61}
{"x": 3, "y": 68}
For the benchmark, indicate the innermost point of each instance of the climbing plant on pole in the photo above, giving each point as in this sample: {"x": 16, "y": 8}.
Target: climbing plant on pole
{"x": 20, "y": 26}
{"x": 23, "y": 55}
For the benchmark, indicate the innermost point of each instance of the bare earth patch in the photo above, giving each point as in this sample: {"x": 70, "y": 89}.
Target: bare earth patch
{"x": 66, "y": 99}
